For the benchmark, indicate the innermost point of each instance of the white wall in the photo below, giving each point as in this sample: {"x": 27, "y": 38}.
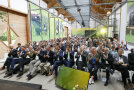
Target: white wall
{"x": 123, "y": 23}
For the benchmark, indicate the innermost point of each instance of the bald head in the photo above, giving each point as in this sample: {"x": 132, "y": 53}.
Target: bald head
{"x": 106, "y": 50}
{"x": 47, "y": 47}
{"x": 120, "y": 51}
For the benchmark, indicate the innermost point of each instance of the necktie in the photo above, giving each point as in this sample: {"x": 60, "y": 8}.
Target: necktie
{"x": 68, "y": 56}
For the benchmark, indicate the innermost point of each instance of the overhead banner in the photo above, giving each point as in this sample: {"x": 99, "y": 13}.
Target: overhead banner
{"x": 81, "y": 31}
{"x": 130, "y": 22}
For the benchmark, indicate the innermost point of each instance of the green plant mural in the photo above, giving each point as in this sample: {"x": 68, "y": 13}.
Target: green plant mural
{"x": 3, "y": 37}
{"x": 44, "y": 24}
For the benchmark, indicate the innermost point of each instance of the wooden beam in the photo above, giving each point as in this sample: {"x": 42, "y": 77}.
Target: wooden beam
{"x": 51, "y": 3}
{"x": 4, "y": 43}
{"x": 72, "y": 21}
{"x": 6, "y": 9}
{"x": 61, "y": 11}
{"x": 8, "y": 29}
{"x": 9, "y": 3}
{"x": 69, "y": 19}
{"x": 47, "y": 1}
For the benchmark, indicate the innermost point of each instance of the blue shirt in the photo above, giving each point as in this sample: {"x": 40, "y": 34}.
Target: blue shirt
{"x": 93, "y": 60}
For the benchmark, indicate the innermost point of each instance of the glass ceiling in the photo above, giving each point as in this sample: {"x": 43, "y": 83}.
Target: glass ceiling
{"x": 83, "y": 15}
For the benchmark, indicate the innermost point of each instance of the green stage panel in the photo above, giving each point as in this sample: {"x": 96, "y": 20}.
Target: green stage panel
{"x": 68, "y": 78}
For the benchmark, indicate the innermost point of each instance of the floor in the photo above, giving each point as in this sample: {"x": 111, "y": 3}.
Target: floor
{"x": 48, "y": 82}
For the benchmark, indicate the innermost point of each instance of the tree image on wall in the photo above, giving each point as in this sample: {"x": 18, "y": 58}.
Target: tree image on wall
{"x": 56, "y": 27}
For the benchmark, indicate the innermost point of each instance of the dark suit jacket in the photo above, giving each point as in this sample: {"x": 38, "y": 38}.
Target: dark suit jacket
{"x": 131, "y": 58}
{"x": 51, "y": 57}
{"x": 71, "y": 55}
{"x": 84, "y": 59}
{"x": 18, "y": 49}
{"x": 60, "y": 56}
{"x": 41, "y": 55}
{"x": 13, "y": 53}
{"x": 116, "y": 60}
{"x": 110, "y": 59}
{"x": 23, "y": 54}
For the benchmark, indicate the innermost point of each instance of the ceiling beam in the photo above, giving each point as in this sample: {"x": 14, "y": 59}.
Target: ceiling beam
{"x": 51, "y": 3}
{"x": 47, "y": 1}
{"x": 69, "y": 19}
{"x": 61, "y": 11}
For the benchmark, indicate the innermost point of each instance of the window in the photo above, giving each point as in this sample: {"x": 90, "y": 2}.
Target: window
{"x": 4, "y": 2}
{"x": 20, "y": 5}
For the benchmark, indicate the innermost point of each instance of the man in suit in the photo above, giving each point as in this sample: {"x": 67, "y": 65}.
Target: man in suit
{"x": 131, "y": 62}
{"x": 40, "y": 57}
{"x": 14, "y": 60}
{"x": 69, "y": 57}
{"x": 107, "y": 62}
{"x": 24, "y": 60}
{"x": 81, "y": 59}
{"x": 131, "y": 59}
{"x": 121, "y": 64}
{"x": 93, "y": 64}
{"x": 12, "y": 54}
{"x": 58, "y": 57}
{"x": 19, "y": 47}
{"x": 48, "y": 57}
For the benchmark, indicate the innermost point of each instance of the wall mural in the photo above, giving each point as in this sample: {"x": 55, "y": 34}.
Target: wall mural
{"x": 35, "y": 23}
{"x": 40, "y": 22}
{"x": 52, "y": 28}
{"x": 45, "y": 25}
{"x": 130, "y": 22}
{"x": 56, "y": 28}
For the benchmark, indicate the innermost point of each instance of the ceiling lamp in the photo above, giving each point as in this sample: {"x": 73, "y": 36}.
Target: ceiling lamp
{"x": 83, "y": 24}
{"x": 78, "y": 10}
{"x": 108, "y": 13}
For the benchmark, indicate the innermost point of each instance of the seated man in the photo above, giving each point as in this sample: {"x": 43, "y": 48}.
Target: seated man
{"x": 58, "y": 56}
{"x": 14, "y": 60}
{"x": 39, "y": 58}
{"x": 69, "y": 57}
{"x": 12, "y": 54}
{"x": 107, "y": 62}
{"x": 121, "y": 64}
{"x": 25, "y": 60}
{"x": 124, "y": 46}
{"x": 48, "y": 56}
{"x": 113, "y": 51}
{"x": 81, "y": 59}
{"x": 131, "y": 62}
{"x": 19, "y": 47}
{"x": 93, "y": 64}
